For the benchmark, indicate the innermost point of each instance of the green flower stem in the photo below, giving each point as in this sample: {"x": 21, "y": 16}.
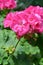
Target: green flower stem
{"x": 17, "y": 43}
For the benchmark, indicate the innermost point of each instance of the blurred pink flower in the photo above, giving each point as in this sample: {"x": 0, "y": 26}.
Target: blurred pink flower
{"x": 36, "y": 16}
{"x": 8, "y": 20}
{"x": 28, "y": 21}
{"x": 9, "y": 4}
{"x": 17, "y": 22}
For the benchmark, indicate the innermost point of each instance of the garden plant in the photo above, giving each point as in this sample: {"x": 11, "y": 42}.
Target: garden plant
{"x": 21, "y": 32}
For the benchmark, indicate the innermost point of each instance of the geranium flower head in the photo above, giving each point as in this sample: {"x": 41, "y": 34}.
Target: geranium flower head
{"x": 9, "y": 4}
{"x": 17, "y": 22}
{"x": 26, "y": 21}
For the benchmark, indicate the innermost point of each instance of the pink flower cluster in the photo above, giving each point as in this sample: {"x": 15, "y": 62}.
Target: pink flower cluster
{"x": 9, "y": 4}
{"x": 28, "y": 21}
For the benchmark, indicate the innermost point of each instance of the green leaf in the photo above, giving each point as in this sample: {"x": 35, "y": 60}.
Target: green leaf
{"x": 1, "y": 60}
{"x": 1, "y": 20}
{"x": 5, "y": 62}
{"x": 10, "y": 60}
{"x": 41, "y": 61}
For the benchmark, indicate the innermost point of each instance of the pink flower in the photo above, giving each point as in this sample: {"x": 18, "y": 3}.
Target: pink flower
{"x": 1, "y": 4}
{"x": 20, "y": 24}
{"x": 34, "y": 21}
{"x": 27, "y": 21}
{"x": 34, "y": 9}
{"x": 8, "y": 20}
{"x": 9, "y": 4}
{"x": 35, "y": 17}
{"x": 17, "y": 22}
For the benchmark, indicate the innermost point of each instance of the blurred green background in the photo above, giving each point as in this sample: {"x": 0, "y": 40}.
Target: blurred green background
{"x": 22, "y": 4}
